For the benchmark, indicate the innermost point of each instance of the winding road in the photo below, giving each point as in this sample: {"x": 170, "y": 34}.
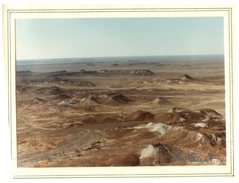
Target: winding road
{"x": 84, "y": 137}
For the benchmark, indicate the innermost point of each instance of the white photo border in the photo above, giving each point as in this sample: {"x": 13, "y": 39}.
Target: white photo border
{"x": 11, "y": 13}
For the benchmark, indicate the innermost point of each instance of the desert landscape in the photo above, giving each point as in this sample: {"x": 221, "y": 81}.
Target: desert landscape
{"x": 129, "y": 111}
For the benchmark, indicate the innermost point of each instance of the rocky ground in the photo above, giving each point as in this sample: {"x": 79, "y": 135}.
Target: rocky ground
{"x": 145, "y": 115}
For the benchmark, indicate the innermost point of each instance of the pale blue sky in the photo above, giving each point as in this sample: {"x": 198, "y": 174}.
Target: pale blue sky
{"x": 72, "y": 38}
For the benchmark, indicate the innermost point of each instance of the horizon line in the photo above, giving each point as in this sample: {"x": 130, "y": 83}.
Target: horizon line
{"x": 57, "y": 58}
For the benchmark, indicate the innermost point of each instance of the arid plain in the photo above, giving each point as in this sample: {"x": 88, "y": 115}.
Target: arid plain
{"x": 127, "y": 112}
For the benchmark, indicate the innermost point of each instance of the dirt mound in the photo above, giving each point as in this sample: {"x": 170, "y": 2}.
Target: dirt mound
{"x": 38, "y": 100}
{"x": 62, "y": 97}
{"x": 185, "y": 77}
{"x": 90, "y": 100}
{"x": 205, "y": 118}
{"x": 161, "y": 101}
{"x": 178, "y": 109}
{"x": 67, "y": 102}
{"x": 22, "y": 89}
{"x": 100, "y": 118}
{"x": 166, "y": 118}
{"x": 157, "y": 154}
{"x": 179, "y": 134}
{"x": 143, "y": 72}
{"x": 53, "y": 90}
{"x": 112, "y": 99}
{"x": 56, "y": 80}
{"x": 209, "y": 112}
{"x": 85, "y": 83}
{"x": 140, "y": 116}
{"x": 119, "y": 99}
{"x": 72, "y": 124}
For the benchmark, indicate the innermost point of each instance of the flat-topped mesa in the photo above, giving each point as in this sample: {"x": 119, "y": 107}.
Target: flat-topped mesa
{"x": 59, "y": 72}
{"x": 105, "y": 72}
{"x": 128, "y": 72}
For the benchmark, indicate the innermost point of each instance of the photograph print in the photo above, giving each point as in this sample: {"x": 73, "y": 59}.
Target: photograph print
{"x": 120, "y": 92}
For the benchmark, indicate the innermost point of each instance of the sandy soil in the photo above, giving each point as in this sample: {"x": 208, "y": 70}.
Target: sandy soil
{"x": 124, "y": 114}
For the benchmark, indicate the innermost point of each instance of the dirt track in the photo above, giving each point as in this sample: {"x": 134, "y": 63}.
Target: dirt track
{"x": 83, "y": 138}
